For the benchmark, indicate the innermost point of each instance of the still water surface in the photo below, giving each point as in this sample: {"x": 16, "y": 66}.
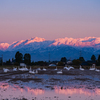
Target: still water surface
{"x": 14, "y": 92}
{"x": 50, "y": 87}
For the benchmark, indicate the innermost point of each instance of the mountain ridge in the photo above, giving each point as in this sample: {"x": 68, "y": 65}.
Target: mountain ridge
{"x": 39, "y": 48}
{"x": 78, "y": 42}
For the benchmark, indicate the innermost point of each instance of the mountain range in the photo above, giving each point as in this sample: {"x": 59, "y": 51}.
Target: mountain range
{"x": 41, "y": 49}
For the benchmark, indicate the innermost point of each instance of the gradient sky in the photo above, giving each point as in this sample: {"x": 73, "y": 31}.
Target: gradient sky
{"x": 49, "y": 19}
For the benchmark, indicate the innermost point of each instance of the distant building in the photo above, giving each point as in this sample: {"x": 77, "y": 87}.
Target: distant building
{"x": 22, "y": 64}
{"x": 52, "y": 65}
{"x": 69, "y": 62}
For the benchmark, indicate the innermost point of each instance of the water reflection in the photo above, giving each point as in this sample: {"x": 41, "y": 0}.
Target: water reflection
{"x": 11, "y": 91}
{"x": 35, "y": 91}
{"x": 97, "y": 91}
{"x": 4, "y": 85}
{"x": 21, "y": 89}
{"x": 72, "y": 91}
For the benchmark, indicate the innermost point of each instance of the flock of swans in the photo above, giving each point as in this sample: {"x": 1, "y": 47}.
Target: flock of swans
{"x": 57, "y": 71}
{"x": 91, "y": 68}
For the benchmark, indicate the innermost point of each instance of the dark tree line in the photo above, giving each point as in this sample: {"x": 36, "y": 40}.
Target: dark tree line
{"x": 20, "y": 58}
{"x": 80, "y": 61}
{"x": 98, "y": 60}
{"x": 93, "y": 58}
{"x": 40, "y": 63}
{"x": 27, "y": 59}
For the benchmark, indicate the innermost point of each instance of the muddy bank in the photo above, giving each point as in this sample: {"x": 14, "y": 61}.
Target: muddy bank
{"x": 50, "y": 77}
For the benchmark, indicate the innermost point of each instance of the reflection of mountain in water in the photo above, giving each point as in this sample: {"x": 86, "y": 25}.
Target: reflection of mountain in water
{"x": 14, "y": 87}
{"x": 27, "y": 92}
{"x": 71, "y": 91}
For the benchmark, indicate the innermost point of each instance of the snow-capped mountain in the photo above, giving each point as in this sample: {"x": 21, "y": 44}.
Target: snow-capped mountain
{"x": 39, "y": 48}
{"x": 4, "y": 46}
{"x": 79, "y": 42}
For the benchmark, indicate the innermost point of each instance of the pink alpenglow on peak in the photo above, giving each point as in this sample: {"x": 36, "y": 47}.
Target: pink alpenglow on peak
{"x": 18, "y": 43}
{"x": 65, "y": 41}
{"x": 97, "y": 41}
{"x": 87, "y": 41}
{"x": 35, "y": 39}
{"x": 4, "y": 46}
{"x": 82, "y": 42}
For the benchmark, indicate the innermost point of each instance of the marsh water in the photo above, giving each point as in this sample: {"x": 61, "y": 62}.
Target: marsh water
{"x": 71, "y": 85}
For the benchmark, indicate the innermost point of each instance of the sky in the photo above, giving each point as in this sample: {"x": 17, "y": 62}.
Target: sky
{"x": 49, "y": 19}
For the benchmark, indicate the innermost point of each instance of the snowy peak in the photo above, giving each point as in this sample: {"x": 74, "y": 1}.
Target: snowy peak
{"x": 4, "y": 46}
{"x": 36, "y": 41}
{"x": 18, "y": 43}
{"x": 39, "y": 48}
{"x": 82, "y": 42}
{"x": 87, "y": 39}
{"x": 32, "y": 40}
{"x": 25, "y": 42}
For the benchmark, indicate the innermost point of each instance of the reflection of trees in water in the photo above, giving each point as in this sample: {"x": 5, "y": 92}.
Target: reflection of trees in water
{"x": 17, "y": 90}
{"x": 71, "y": 91}
{"x": 35, "y": 91}
{"x": 21, "y": 89}
{"x": 4, "y": 85}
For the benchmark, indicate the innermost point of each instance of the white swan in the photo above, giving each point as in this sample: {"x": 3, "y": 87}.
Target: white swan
{"x": 14, "y": 69}
{"x": 5, "y": 70}
{"x": 81, "y": 68}
{"x": 71, "y": 67}
{"x": 38, "y": 68}
{"x": 44, "y": 69}
{"x": 23, "y": 69}
{"x": 31, "y": 72}
{"x": 26, "y": 69}
{"x": 67, "y": 68}
{"x": 59, "y": 72}
{"x": 36, "y": 71}
{"x": 93, "y": 67}
{"x": 55, "y": 68}
{"x": 97, "y": 70}
{"x": 30, "y": 68}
